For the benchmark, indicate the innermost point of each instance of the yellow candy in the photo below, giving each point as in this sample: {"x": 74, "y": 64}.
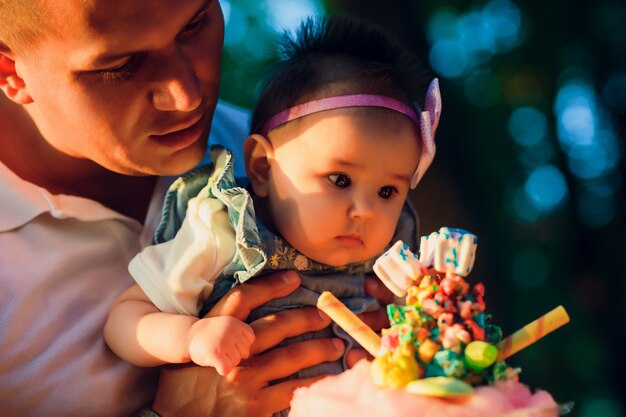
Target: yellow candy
{"x": 394, "y": 370}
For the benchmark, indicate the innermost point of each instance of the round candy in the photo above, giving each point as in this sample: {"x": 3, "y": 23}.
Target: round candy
{"x": 440, "y": 386}
{"x": 480, "y": 355}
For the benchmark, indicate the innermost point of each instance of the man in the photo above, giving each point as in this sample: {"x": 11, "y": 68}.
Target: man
{"x": 102, "y": 101}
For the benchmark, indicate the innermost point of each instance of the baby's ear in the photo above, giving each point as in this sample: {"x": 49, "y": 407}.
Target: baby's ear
{"x": 11, "y": 83}
{"x": 258, "y": 153}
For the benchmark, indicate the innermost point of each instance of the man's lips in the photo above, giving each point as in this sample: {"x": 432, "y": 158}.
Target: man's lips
{"x": 183, "y": 134}
{"x": 181, "y": 125}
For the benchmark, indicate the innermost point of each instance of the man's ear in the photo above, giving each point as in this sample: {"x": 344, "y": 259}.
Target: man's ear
{"x": 259, "y": 154}
{"x": 11, "y": 83}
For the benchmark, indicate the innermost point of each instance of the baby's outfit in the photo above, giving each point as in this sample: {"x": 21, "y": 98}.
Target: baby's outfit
{"x": 210, "y": 240}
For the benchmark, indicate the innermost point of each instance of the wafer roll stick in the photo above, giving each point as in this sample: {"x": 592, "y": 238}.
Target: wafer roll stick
{"x": 348, "y": 321}
{"x": 532, "y": 332}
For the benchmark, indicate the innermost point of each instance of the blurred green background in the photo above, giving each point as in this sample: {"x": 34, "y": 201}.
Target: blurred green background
{"x": 530, "y": 159}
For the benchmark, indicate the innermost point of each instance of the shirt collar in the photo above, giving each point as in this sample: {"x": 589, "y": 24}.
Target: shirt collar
{"x": 22, "y": 201}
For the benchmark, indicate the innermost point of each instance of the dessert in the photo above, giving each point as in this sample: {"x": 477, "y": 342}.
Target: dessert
{"x": 441, "y": 356}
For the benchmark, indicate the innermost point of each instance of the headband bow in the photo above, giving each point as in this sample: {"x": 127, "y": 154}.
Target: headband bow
{"x": 426, "y": 120}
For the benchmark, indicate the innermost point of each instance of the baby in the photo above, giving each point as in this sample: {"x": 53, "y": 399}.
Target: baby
{"x": 337, "y": 140}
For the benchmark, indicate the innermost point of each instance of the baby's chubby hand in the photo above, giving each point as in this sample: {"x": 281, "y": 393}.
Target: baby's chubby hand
{"x": 398, "y": 268}
{"x": 221, "y": 342}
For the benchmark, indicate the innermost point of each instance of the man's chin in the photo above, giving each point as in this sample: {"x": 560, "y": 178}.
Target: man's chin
{"x": 171, "y": 167}
{"x": 182, "y": 162}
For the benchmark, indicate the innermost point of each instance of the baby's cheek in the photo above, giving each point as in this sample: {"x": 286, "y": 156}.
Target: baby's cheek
{"x": 385, "y": 233}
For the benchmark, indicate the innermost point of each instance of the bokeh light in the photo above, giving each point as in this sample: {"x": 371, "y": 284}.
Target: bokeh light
{"x": 537, "y": 195}
{"x": 449, "y": 58}
{"x": 575, "y": 110}
{"x": 441, "y": 25}
{"x": 597, "y": 405}
{"x": 528, "y": 126}
{"x": 592, "y": 148}
{"x": 505, "y": 19}
{"x": 286, "y": 15}
{"x": 466, "y": 42}
{"x": 251, "y": 30}
{"x": 546, "y": 188}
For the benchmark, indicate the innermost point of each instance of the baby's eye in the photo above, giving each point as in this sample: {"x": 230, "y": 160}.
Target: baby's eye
{"x": 387, "y": 192}
{"x": 340, "y": 180}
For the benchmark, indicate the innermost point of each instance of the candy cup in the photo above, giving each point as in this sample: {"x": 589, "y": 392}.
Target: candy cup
{"x": 480, "y": 355}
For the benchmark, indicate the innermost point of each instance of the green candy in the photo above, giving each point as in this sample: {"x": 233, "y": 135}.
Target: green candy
{"x": 480, "y": 355}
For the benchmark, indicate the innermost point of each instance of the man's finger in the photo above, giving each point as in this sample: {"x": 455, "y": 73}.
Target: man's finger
{"x": 242, "y": 299}
{"x": 274, "y": 328}
{"x": 376, "y": 320}
{"x": 283, "y": 361}
{"x": 355, "y": 355}
{"x": 277, "y": 397}
{"x": 375, "y": 288}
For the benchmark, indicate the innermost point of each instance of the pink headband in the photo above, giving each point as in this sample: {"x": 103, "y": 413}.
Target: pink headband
{"x": 426, "y": 120}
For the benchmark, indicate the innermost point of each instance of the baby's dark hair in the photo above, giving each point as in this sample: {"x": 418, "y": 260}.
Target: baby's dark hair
{"x": 338, "y": 52}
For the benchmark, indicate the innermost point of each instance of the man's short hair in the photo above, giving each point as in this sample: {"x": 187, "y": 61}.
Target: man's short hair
{"x": 22, "y": 23}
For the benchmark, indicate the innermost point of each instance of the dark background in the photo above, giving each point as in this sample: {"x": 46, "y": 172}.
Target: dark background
{"x": 529, "y": 158}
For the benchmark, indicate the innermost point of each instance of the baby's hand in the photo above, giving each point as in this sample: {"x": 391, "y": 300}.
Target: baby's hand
{"x": 221, "y": 342}
{"x": 398, "y": 268}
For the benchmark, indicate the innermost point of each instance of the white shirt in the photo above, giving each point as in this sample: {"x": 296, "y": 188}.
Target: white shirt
{"x": 63, "y": 260}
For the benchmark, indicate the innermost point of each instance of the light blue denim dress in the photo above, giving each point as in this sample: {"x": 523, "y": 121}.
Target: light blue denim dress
{"x": 259, "y": 251}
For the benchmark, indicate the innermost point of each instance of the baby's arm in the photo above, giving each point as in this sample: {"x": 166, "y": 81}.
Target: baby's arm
{"x": 141, "y": 334}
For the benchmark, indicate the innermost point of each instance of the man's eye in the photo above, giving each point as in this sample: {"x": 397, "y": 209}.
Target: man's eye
{"x": 387, "y": 192}
{"x": 195, "y": 26}
{"x": 122, "y": 72}
{"x": 340, "y": 180}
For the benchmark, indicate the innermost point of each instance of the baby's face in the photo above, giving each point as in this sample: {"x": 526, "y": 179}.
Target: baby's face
{"x": 339, "y": 179}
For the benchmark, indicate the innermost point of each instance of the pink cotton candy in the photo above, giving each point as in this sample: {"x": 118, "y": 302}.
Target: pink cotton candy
{"x": 352, "y": 394}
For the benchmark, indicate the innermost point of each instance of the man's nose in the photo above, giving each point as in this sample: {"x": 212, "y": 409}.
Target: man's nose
{"x": 178, "y": 88}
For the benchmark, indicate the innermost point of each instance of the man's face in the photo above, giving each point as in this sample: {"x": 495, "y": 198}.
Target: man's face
{"x": 131, "y": 85}
{"x": 338, "y": 181}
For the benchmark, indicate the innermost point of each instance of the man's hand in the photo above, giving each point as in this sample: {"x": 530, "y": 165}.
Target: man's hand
{"x": 190, "y": 390}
